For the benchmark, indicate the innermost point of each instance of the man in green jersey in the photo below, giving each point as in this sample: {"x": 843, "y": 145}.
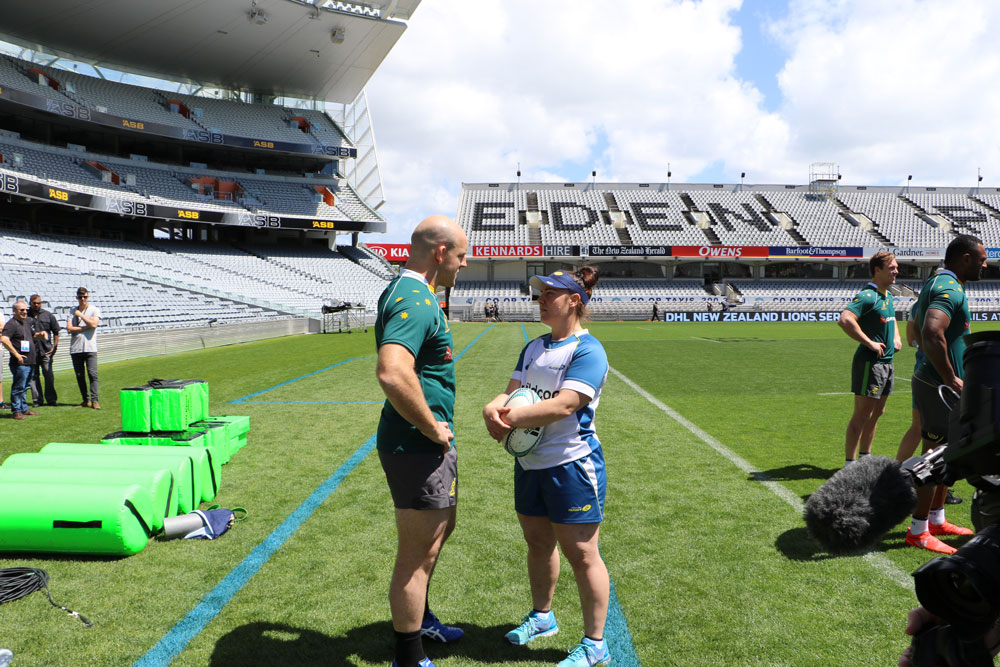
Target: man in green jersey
{"x": 870, "y": 319}
{"x": 416, "y": 371}
{"x": 943, "y": 320}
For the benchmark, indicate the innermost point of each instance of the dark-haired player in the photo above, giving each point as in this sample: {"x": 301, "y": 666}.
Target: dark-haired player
{"x": 559, "y": 486}
{"x": 943, "y": 320}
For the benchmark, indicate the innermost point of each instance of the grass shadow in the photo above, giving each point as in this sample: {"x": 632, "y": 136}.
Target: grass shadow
{"x": 793, "y": 472}
{"x": 795, "y": 544}
{"x": 266, "y": 643}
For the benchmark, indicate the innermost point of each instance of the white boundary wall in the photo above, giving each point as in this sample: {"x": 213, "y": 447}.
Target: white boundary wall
{"x": 132, "y": 345}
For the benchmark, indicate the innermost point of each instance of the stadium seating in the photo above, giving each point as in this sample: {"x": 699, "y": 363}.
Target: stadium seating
{"x": 126, "y": 302}
{"x": 265, "y": 121}
{"x": 294, "y": 281}
{"x": 579, "y": 215}
{"x": 171, "y": 185}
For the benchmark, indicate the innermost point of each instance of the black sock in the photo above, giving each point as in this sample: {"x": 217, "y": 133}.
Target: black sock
{"x": 409, "y": 649}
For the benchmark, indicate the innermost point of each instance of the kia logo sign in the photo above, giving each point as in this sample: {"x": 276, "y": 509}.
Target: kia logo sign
{"x": 391, "y": 251}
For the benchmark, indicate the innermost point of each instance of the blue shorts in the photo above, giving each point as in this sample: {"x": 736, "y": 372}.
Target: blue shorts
{"x": 569, "y": 493}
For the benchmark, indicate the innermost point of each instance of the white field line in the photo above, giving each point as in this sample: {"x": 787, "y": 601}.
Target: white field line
{"x": 707, "y": 340}
{"x": 877, "y": 560}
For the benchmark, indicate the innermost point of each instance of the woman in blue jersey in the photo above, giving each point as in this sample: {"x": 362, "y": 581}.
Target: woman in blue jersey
{"x": 559, "y": 486}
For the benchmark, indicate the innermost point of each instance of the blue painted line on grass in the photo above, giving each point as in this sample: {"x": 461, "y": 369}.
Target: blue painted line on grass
{"x": 170, "y": 646}
{"x": 474, "y": 341}
{"x": 615, "y": 627}
{"x": 179, "y": 636}
{"x": 301, "y": 377}
{"x": 617, "y": 632}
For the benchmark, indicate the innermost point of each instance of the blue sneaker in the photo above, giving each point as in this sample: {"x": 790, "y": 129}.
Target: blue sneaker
{"x": 583, "y": 655}
{"x": 426, "y": 662}
{"x": 434, "y": 629}
{"x": 532, "y": 628}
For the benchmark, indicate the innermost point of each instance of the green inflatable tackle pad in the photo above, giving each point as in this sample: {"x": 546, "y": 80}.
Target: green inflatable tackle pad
{"x": 174, "y": 404}
{"x": 236, "y": 430}
{"x": 212, "y": 435}
{"x": 159, "y": 483}
{"x": 74, "y": 518}
{"x": 135, "y": 402}
{"x": 163, "y": 405}
{"x": 188, "y": 492}
{"x": 207, "y": 469}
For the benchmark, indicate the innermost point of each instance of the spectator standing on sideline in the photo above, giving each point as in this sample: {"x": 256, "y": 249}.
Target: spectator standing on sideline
{"x": 870, "y": 319}
{"x": 17, "y": 338}
{"x": 656, "y": 313}
{"x": 82, "y": 326}
{"x": 47, "y": 324}
{"x": 496, "y": 310}
{"x": 416, "y": 370}
{"x": 3, "y": 406}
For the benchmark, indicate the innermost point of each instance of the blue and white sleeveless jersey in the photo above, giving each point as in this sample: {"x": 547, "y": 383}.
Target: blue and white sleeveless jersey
{"x": 578, "y": 363}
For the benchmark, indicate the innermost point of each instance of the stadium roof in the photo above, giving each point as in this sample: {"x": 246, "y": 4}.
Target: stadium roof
{"x": 312, "y": 49}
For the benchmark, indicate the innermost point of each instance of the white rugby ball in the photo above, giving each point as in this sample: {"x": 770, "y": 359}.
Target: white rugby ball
{"x": 521, "y": 441}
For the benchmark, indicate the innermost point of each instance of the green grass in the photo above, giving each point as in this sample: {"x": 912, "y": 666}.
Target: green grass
{"x": 710, "y": 567}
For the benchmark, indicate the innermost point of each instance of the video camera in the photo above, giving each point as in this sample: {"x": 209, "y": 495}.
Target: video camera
{"x": 964, "y": 588}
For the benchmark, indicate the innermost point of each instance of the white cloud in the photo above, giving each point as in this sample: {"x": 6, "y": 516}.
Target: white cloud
{"x": 473, "y": 89}
{"x": 884, "y": 88}
{"x": 894, "y": 88}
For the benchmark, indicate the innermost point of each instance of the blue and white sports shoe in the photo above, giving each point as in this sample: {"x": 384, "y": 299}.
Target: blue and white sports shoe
{"x": 584, "y": 655}
{"x": 434, "y": 629}
{"x": 426, "y": 662}
{"x": 532, "y": 628}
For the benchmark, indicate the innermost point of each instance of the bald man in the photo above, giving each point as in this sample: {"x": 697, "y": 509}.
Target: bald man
{"x": 18, "y": 338}
{"x": 416, "y": 371}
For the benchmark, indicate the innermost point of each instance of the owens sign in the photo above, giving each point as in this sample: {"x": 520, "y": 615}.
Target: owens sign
{"x": 729, "y": 251}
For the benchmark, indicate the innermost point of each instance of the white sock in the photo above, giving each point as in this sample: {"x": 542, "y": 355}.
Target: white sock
{"x": 598, "y": 645}
{"x": 848, "y": 462}
{"x": 918, "y": 526}
{"x": 936, "y": 516}
{"x": 543, "y": 616}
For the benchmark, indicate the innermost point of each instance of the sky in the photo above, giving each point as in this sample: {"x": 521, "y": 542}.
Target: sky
{"x": 706, "y": 90}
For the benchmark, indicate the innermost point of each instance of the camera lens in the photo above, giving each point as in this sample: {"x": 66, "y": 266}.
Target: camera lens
{"x": 964, "y": 588}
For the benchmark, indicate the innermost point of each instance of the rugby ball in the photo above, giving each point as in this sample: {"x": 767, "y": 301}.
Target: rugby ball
{"x": 521, "y": 441}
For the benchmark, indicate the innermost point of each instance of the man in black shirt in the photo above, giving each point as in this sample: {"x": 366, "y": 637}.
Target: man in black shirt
{"x": 17, "y": 337}
{"x": 46, "y": 323}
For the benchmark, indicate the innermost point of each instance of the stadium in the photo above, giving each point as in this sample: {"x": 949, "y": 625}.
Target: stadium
{"x": 209, "y": 171}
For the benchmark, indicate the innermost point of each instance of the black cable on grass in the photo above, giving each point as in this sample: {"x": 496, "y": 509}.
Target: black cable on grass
{"x": 18, "y": 582}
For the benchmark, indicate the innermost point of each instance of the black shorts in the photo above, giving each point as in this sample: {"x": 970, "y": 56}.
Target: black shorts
{"x": 421, "y": 481}
{"x": 873, "y": 380}
{"x": 934, "y": 413}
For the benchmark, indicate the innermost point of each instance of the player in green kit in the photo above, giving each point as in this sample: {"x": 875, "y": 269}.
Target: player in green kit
{"x": 870, "y": 319}
{"x": 943, "y": 318}
{"x": 416, "y": 370}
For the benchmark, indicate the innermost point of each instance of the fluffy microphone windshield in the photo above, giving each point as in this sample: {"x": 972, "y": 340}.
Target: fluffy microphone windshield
{"x": 859, "y": 504}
